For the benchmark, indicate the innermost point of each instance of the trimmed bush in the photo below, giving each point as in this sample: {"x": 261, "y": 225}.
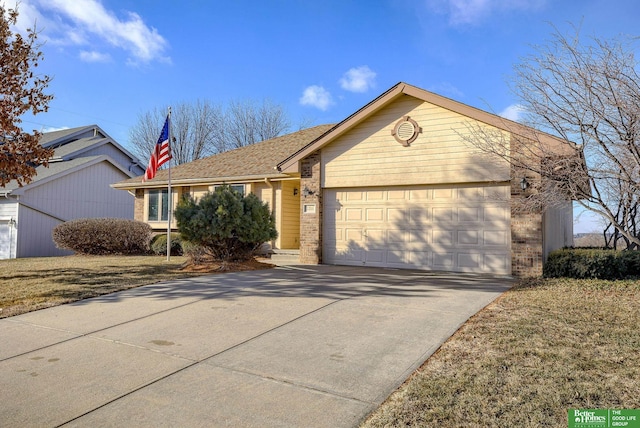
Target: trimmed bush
{"x": 228, "y": 225}
{"x": 103, "y": 236}
{"x": 592, "y": 263}
{"x": 159, "y": 244}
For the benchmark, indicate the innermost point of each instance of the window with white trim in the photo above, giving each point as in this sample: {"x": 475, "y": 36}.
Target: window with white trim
{"x": 240, "y": 188}
{"x": 158, "y": 205}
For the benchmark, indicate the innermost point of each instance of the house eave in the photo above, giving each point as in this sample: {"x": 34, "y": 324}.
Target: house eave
{"x": 291, "y": 164}
{"x": 201, "y": 181}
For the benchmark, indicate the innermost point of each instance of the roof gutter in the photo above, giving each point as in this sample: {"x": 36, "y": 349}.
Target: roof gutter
{"x": 190, "y": 181}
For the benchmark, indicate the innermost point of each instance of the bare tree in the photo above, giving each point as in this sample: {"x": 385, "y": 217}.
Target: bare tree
{"x": 201, "y": 129}
{"x": 21, "y": 90}
{"x": 589, "y": 94}
{"x": 247, "y": 122}
{"x": 195, "y": 129}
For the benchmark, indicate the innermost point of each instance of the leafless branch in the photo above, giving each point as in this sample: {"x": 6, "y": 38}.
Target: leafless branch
{"x": 588, "y": 93}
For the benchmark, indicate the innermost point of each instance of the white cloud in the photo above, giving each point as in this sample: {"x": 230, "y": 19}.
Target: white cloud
{"x": 88, "y": 23}
{"x": 465, "y": 12}
{"x": 513, "y": 112}
{"x": 316, "y": 96}
{"x": 93, "y": 56}
{"x": 359, "y": 79}
{"x": 53, "y": 129}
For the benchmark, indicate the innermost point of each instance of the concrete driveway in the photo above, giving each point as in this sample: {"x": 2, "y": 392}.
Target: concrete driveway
{"x": 299, "y": 346}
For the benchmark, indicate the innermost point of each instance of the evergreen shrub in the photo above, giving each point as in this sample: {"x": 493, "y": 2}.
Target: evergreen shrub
{"x": 592, "y": 263}
{"x": 226, "y": 224}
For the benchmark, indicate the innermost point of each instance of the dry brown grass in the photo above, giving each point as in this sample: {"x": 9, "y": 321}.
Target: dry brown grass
{"x": 544, "y": 347}
{"x": 35, "y": 283}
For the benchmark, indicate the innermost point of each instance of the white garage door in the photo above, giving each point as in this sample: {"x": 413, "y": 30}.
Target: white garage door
{"x": 6, "y": 238}
{"x": 454, "y": 228}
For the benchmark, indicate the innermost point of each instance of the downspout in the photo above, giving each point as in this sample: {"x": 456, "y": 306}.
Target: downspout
{"x": 273, "y": 206}
{"x": 12, "y": 225}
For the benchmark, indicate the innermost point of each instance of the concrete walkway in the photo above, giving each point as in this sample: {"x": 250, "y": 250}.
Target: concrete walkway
{"x": 299, "y": 346}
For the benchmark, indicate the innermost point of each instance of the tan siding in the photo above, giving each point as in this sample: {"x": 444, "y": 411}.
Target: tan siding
{"x": 369, "y": 155}
{"x": 263, "y": 191}
{"x": 290, "y": 224}
{"x": 266, "y": 194}
{"x": 197, "y": 192}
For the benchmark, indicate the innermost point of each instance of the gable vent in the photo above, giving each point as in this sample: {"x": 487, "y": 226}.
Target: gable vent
{"x": 406, "y": 131}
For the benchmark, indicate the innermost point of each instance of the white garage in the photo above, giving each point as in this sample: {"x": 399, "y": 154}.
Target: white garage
{"x": 461, "y": 228}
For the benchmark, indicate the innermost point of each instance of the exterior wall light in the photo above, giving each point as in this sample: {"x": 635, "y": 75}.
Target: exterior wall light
{"x": 306, "y": 192}
{"x": 524, "y": 184}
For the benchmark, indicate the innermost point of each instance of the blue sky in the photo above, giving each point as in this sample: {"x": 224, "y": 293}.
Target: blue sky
{"x": 112, "y": 60}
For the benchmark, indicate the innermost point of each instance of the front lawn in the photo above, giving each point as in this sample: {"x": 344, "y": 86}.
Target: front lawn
{"x": 544, "y": 347}
{"x": 36, "y": 283}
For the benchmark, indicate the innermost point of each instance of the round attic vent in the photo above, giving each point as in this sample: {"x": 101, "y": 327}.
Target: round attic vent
{"x": 406, "y": 131}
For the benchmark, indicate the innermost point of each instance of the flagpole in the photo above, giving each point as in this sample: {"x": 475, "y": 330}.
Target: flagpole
{"x": 170, "y": 198}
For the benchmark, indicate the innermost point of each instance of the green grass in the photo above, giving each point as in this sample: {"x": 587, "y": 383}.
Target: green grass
{"x": 542, "y": 348}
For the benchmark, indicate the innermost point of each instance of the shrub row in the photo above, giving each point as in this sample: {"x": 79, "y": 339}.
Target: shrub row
{"x": 592, "y": 263}
{"x": 103, "y": 236}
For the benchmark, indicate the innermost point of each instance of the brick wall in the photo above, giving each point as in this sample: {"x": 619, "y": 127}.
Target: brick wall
{"x": 138, "y": 206}
{"x": 526, "y": 231}
{"x": 526, "y": 244}
{"x": 311, "y": 223}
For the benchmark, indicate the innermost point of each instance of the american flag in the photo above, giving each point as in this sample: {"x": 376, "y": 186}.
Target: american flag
{"x": 161, "y": 154}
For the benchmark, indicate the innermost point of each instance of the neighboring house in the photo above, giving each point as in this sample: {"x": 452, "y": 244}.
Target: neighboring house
{"x": 393, "y": 185}
{"x": 75, "y": 185}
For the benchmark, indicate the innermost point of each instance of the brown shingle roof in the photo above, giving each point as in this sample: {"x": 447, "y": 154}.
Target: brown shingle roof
{"x": 257, "y": 160}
